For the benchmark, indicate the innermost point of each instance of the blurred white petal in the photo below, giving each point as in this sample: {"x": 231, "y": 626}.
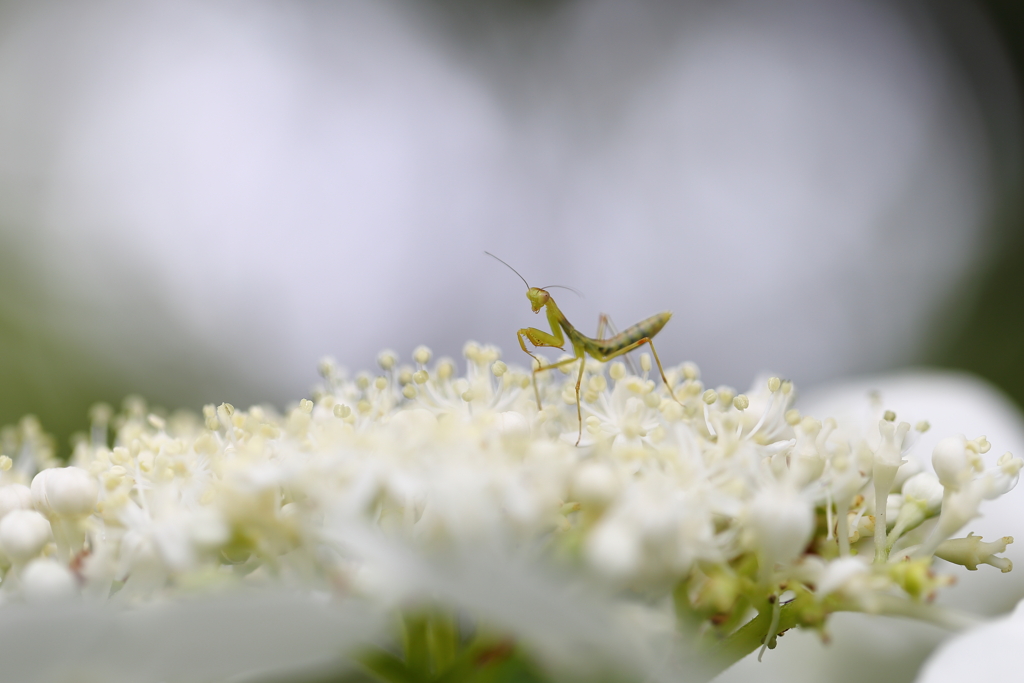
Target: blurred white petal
{"x": 987, "y": 653}
{"x": 571, "y": 625}
{"x": 208, "y": 638}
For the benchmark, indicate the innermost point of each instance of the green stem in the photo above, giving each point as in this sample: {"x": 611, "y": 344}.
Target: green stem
{"x": 432, "y": 651}
{"x": 387, "y": 667}
{"x": 944, "y": 617}
{"x": 748, "y": 638}
{"x": 443, "y": 639}
{"x": 417, "y": 651}
{"x": 751, "y": 635}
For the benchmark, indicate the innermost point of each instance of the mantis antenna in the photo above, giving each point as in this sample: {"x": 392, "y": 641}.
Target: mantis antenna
{"x": 574, "y": 291}
{"x": 510, "y": 268}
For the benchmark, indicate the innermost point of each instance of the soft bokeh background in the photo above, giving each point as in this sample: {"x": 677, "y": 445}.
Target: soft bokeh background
{"x": 198, "y": 201}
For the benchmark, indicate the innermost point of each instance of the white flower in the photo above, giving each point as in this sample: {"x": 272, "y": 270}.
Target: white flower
{"x": 891, "y": 650}
{"x": 450, "y": 497}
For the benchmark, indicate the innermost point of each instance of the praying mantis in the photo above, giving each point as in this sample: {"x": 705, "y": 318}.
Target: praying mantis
{"x": 599, "y": 349}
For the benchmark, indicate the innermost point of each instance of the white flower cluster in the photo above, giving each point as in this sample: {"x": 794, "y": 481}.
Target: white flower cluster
{"x": 717, "y": 504}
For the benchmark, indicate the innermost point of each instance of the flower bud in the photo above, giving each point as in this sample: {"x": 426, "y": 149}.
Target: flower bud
{"x": 951, "y": 463}
{"x": 614, "y": 549}
{"x": 909, "y": 468}
{"x": 921, "y": 499}
{"x": 595, "y": 485}
{"x": 925, "y": 489}
{"x": 510, "y": 422}
{"x": 14, "y": 497}
{"x": 23, "y": 534}
{"x": 839, "y": 574}
{"x": 779, "y": 523}
{"x": 65, "y": 491}
{"x": 893, "y": 503}
{"x": 45, "y": 580}
{"x": 972, "y": 551}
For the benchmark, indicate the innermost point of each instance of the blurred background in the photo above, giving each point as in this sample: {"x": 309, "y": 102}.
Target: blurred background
{"x": 198, "y": 201}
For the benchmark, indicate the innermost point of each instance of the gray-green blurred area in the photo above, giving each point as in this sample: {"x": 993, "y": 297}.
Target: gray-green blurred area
{"x": 984, "y": 331}
{"x": 198, "y": 202}
{"x": 43, "y": 373}
{"x": 49, "y": 371}
{"x": 986, "y": 334}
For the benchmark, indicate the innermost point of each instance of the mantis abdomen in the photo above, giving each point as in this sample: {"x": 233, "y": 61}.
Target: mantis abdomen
{"x": 629, "y": 336}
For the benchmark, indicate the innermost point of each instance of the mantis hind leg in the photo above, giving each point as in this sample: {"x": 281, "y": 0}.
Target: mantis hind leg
{"x": 604, "y": 322}
{"x": 640, "y": 342}
{"x": 662, "y": 371}
{"x": 579, "y": 409}
{"x": 579, "y": 380}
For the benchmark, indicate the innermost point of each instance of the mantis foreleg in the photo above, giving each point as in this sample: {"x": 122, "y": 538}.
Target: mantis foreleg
{"x": 555, "y": 339}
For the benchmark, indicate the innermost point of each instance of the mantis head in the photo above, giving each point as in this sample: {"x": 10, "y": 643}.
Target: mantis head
{"x": 538, "y": 298}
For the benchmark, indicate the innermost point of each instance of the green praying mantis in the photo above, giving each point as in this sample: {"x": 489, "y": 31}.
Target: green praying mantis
{"x": 599, "y": 349}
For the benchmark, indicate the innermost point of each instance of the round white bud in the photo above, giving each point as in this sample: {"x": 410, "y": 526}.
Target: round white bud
{"x": 44, "y": 580}
{"x": 23, "y": 534}
{"x": 595, "y": 484}
{"x": 780, "y": 522}
{"x": 14, "y": 497}
{"x": 65, "y": 491}
{"x": 949, "y": 458}
{"x": 925, "y": 488}
{"x": 511, "y": 422}
{"x": 614, "y": 549}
